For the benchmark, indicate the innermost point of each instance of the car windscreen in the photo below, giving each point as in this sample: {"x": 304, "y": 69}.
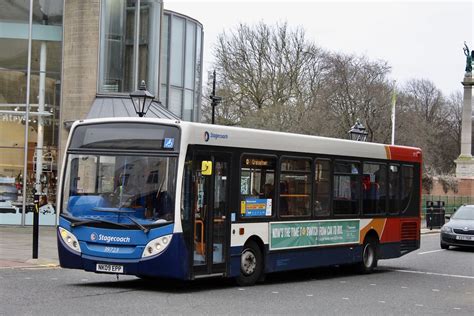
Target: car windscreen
{"x": 464, "y": 212}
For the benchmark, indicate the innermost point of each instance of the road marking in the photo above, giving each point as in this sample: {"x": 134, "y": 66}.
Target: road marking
{"x": 425, "y": 252}
{"x": 404, "y": 287}
{"x": 435, "y": 290}
{"x": 275, "y": 292}
{"x": 240, "y": 289}
{"x": 457, "y": 308}
{"x": 345, "y": 298}
{"x": 419, "y": 305}
{"x": 309, "y": 295}
{"x": 382, "y": 302}
{"x": 436, "y": 274}
{"x": 373, "y": 284}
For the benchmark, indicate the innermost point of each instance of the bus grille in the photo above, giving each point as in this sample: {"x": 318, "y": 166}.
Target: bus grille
{"x": 409, "y": 237}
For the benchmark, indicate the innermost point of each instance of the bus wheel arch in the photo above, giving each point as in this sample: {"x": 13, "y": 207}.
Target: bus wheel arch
{"x": 370, "y": 252}
{"x": 251, "y": 262}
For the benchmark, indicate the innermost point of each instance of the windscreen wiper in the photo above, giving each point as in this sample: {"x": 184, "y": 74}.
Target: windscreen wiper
{"x": 119, "y": 211}
{"x": 143, "y": 228}
{"x": 100, "y": 221}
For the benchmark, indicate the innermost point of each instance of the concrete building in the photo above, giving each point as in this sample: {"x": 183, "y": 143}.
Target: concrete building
{"x": 86, "y": 57}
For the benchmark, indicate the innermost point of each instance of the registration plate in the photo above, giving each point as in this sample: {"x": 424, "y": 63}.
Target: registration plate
{"x": 465, "y": 238}
{"x": 110, "y": 268}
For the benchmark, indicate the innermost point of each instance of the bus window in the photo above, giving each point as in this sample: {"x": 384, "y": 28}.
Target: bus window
{"x": 322, "y": 187}
{"x": 346, "y": 188}
{"x": 295, "y": 187}
{"x": 393, "y": 189}
{"x": 408, "y": 191}
{"x": 257, "y": 183}
{"x": 374, "y": 188}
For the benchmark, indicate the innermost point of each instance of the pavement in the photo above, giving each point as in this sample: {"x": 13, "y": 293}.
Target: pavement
{"x": 16, "y": 249}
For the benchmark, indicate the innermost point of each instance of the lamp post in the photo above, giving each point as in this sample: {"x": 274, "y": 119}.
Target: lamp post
{"x": 358, "y": 132}
{"x": 141, "y": 99}
{"x": 215, "y": 100}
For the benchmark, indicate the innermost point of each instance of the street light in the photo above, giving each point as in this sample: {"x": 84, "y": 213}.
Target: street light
{"x": 358, "y": 132}
{"x": 215, "y": 100}
{"x": 141, "y": 99}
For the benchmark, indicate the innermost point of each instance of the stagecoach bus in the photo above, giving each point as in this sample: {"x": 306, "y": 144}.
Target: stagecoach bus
{"x": 182, "y": 200}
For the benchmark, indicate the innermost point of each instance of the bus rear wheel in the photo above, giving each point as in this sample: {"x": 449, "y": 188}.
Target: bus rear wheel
{"x": 369, "y": 256}
{"x": 251, "y": 264}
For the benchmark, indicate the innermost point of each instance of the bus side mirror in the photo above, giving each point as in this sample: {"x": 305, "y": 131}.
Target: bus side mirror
{"x": 206, "y": 168}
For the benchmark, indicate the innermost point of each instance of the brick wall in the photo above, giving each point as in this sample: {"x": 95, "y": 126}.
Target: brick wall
{"x": 465, "y": 188}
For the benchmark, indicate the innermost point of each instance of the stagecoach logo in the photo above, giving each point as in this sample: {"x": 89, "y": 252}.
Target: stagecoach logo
{"x": 208, "y": 136}
{"x": 108, "y": 239}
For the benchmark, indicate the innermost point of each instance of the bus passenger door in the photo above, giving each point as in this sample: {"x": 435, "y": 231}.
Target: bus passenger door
{"x": 211, "y": 195}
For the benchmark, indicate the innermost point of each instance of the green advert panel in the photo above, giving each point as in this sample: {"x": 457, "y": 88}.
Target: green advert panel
{"x": 308, "y": 234}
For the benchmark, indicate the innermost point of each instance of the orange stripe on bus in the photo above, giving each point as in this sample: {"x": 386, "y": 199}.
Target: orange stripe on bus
{"x": 376, "y": 224}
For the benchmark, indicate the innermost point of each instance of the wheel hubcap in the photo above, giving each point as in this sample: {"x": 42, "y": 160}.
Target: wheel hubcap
{"x": 368, "y": 256}
{"x": 248, "y": 262}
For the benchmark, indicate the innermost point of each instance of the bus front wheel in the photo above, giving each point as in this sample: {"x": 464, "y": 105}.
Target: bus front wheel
{"x": 251, "y": 264}
{"x": 369, "y": 256}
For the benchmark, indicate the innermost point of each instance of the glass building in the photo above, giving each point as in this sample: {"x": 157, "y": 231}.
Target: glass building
{"x": 83, "y": 68}
{"x": 44, "y": 89}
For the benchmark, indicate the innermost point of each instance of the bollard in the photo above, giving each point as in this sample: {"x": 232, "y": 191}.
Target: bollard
{"x": 35, "y": 226}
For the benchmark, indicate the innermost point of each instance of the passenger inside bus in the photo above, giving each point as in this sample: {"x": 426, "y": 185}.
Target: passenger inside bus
{"x": 267, "y": 191}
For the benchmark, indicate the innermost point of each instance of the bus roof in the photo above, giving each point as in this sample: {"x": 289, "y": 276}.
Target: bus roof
{"x": 228, "y": 136}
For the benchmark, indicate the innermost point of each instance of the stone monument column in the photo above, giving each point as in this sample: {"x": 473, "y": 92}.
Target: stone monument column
{"x": 465, "y": 161}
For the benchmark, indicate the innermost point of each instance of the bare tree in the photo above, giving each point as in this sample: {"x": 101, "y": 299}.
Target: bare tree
{"x": 270, "y": 75}
{"x": 359, "y": 88}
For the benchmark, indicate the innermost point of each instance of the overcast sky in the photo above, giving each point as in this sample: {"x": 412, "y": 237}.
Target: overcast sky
{"x": 418, "y": 39}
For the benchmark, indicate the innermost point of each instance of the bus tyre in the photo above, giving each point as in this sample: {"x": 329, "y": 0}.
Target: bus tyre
{"x": 251, "y": 264}
{"x": 369, "y": 256}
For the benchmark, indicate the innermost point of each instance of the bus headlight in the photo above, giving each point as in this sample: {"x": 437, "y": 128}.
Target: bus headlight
{"x": 156, "y": 246}
{"x": 69, "y": 239}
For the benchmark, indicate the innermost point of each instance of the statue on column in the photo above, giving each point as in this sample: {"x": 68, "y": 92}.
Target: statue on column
{"x": 469, "y": 58}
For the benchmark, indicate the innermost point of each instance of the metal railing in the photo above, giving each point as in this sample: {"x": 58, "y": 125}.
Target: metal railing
{"x": 451, "y": 203}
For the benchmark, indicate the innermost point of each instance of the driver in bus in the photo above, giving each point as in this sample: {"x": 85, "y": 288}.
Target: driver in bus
{"x": 127, "y": 191}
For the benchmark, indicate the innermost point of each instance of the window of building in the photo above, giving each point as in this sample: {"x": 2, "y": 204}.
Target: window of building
{"x": 346, "y": 188}
{"x": 374, "y": 188}
{"x": 129, "y": 45}
{"x": 394, "y": 189}
{"x": 257, "y": 186}
{"x": 295, "y": 187}
{"x": 322, "y": 187}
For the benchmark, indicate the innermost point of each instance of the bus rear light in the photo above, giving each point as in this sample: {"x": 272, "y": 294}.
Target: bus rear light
{"x": 69, "y": 239}
{"x": 241, "y": 231}
{"x": 156, "y": 246}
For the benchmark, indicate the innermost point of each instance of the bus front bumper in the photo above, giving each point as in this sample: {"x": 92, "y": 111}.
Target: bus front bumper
{"x": 168, "y": 264}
